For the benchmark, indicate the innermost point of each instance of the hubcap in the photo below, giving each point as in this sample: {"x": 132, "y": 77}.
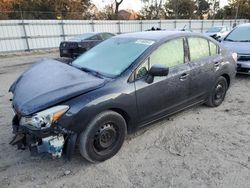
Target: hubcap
{"x": 219, "y": 91}
{"x": 105, "y": 137}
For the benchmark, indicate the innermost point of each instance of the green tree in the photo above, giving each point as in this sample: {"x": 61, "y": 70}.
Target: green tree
{"x": 153, "y": 9}
{"x": 180, "y": 9}
{"x": 239, "y": 9}
{"x": 49, "y": 9}
{"x": 202, "y": 8}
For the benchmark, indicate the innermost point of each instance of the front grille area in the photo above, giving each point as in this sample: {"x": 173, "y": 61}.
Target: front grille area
{"x": 243, "y": 57}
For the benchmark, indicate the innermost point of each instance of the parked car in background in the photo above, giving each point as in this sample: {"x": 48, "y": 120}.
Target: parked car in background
{"x": 217, "y": 32}
{"x": 119, "y": 86}
{"x": 81, "y": 43}
{"x": 238, "y": 40}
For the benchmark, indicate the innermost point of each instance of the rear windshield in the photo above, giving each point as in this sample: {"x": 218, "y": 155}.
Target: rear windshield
{"x": 239, "y": 34}
{"x": 81, "y": 37}
{"x": 214, "y": 29}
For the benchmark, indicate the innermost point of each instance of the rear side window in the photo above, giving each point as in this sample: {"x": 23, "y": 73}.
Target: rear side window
{"x": 213, "y": 48}
{"x": 198, "y": 48}
{"x": 170, "y": 54}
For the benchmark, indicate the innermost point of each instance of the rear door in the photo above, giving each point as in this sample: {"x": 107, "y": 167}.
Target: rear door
{"x": 203, "y": 64}
{"x": 166, "y": 94}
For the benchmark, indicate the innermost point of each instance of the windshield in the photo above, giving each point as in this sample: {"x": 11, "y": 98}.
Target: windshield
{"x": 81, "y": 37}
{"x": 214, "y": 29}
{"x": 240, "y": 34}
{"x": 113, "y": 56}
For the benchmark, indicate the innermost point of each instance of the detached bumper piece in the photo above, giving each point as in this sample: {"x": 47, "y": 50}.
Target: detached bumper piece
{"x": 55, "y": 142}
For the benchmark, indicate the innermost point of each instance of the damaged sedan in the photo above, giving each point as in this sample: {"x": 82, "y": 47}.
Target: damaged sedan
{"x": 115, "y": 88}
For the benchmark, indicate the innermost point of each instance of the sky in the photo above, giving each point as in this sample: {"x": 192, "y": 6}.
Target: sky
{"x": 134, "y": 4}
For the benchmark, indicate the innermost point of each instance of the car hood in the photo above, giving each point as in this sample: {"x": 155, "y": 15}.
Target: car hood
{"x": 238, "y": 47}
{"x": 48, "y": 83}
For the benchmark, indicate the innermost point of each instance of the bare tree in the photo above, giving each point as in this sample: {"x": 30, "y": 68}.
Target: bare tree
{"x": 117, "y": 4}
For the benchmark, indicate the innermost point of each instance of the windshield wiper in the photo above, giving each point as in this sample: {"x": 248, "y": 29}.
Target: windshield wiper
{"x": 244, "y": 41}
{"x": 230, "y": 40}
{"x": 95, "y": 73}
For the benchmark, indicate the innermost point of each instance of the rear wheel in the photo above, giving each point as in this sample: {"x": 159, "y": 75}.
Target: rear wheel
{"x": 103, "y": 137}
{"x": 218, "y": 92}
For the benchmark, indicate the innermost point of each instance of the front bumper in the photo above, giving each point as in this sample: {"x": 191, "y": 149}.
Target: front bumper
{"x": 55, "y": 141}
{"x": 243, "y": 67}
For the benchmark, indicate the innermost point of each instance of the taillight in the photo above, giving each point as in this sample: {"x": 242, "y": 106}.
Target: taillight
{"x": 235, "y": 56}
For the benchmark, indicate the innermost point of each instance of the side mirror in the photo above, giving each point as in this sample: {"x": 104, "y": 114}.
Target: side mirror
{"x": 220, "y": 39}
{"x": 157, "y": 70}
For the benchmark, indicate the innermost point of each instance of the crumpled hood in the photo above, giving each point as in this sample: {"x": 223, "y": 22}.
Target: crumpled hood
{"x": 48, "y": 83}
{"x": 238, "y": 47}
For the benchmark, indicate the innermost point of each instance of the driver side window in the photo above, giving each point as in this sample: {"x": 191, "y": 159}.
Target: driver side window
{"x": 169, "y": 54}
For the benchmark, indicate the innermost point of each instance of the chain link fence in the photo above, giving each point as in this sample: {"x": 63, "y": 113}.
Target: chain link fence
{"x": 27, "y": 35}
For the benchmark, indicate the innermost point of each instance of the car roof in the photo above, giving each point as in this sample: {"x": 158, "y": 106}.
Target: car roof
{"x": 156, "y": 35}
{"x": 153, "y": 35}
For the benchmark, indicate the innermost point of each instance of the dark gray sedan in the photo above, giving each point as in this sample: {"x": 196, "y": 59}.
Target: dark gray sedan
{"x": 238, "y": 40}
{"x": 119, "y": 86}
{"x": 81, "y": 43}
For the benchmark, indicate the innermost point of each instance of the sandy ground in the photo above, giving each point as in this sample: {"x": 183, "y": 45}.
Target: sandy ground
{"x": 200, "y": 147}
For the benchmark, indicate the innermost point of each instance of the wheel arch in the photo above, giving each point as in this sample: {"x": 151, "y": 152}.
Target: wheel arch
{"x": 125, "y": 115}
{"x": 227, "y": 77}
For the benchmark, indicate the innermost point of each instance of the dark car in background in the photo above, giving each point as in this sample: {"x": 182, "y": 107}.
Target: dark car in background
{"x": 119, "y": 86}
{"x": 81, "y": 43}
{"x": 238, "y": 40}
{"x": 217, "y": 32}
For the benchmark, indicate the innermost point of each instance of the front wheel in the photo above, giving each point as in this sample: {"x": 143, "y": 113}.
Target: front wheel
{"x": 218, "y": 93}
{"x": 103, "y": 137}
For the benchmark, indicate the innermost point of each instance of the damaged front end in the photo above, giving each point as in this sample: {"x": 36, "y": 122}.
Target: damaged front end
{"x": 42, "y": 134}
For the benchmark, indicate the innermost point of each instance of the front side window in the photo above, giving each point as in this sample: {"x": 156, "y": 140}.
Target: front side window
{"x": 96, "y": 37}
{"x": 113, "y": 56}
{"x": 142, "y": 70}
{"x": 198, "y": 48}
{"x": 106, "y": 36}
{"x": 169, "y": 54}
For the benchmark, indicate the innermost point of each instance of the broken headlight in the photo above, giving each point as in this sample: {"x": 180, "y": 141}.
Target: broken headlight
{"x": 44, "y": 119}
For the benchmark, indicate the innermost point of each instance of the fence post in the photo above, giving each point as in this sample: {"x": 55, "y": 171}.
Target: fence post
{"x": 190, "y": 24}
{"x": 141, "y": 25}
{"x": 160, "y": 24}
{"x": 202, "y": 22}
{"x": 222, "y": 21}
{"x": 119, "y": 27}
{"x": 62, "y": 28}
{"x": 25, "y": 36}
{"x": 175, "y": 24}
{"x": 92, "y": 25}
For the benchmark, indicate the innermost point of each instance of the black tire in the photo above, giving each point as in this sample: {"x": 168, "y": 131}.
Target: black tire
{"x": 218, "y": 92}
{"x": 103, "y": 137}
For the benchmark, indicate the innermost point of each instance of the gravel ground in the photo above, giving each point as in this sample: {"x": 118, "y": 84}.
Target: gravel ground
{"x": 200, "y": 147}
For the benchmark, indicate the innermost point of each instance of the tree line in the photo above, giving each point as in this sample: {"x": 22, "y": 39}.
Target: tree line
{"x": 151, "y": 9}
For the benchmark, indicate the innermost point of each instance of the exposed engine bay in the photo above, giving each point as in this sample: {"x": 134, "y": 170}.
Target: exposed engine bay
{"x": 55, "y": 142}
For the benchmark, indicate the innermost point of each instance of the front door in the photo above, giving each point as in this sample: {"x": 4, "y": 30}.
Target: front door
{"x": 168, "y": 93}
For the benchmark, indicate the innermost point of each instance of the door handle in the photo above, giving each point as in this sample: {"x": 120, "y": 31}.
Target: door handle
{"x": 184, "y": 76}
